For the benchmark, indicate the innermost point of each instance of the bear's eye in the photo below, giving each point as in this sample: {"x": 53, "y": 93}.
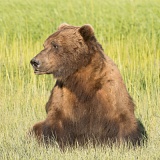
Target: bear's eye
{"x": 54, "y": 45}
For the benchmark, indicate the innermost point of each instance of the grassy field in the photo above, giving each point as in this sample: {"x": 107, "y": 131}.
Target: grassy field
{"x": 129, "y": 31}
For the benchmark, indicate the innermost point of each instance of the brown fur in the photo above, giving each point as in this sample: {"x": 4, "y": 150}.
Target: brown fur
{"x": 89, "y": 100}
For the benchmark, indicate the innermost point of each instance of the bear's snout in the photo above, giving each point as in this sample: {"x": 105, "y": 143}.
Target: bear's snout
{"x": 35, "y": 63}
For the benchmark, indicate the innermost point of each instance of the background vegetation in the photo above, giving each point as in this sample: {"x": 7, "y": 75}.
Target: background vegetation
{"x": 129, "y": 31}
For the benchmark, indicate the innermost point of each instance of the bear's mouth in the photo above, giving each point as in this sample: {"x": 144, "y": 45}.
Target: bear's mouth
{"x": 38, "y": 71}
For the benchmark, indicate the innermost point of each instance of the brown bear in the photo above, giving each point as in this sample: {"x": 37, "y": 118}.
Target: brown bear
{"x": 89, "y": 101}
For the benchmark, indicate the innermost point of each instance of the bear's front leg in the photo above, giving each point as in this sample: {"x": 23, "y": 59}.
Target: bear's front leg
{"x": 42, "y": 132}
{"x": 37, "y": 130}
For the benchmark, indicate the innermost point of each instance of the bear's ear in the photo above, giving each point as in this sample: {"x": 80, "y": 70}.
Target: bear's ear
{"x": 63, "y": 25}
{"x": 86, "y": 32}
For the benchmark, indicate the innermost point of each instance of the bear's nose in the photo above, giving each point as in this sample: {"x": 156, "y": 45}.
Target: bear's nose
{"x": 35, "y": 63}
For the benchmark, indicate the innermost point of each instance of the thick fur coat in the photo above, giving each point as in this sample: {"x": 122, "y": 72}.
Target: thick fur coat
{"x": 89, "y": 100}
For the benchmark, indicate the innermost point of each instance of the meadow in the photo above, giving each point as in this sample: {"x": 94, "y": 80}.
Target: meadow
{"x": 129, "y": 31}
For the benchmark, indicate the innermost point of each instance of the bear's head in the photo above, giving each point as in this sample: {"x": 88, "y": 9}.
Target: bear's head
{"x": 65, "y": 51}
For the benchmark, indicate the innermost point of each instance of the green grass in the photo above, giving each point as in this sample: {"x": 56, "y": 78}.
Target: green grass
{"x": 129, "y": 31}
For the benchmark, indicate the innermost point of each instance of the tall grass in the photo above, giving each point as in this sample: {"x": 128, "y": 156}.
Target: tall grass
{"x": 129, "y": 31}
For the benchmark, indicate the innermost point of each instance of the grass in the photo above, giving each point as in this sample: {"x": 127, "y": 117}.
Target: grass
{"x": 129, "y": 33}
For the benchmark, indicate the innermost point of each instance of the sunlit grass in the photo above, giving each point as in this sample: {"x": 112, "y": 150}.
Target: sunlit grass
{"x": 129, "y": 33}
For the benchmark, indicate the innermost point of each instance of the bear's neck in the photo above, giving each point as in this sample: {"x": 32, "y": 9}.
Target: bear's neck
{"x": 87, "y": 80}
